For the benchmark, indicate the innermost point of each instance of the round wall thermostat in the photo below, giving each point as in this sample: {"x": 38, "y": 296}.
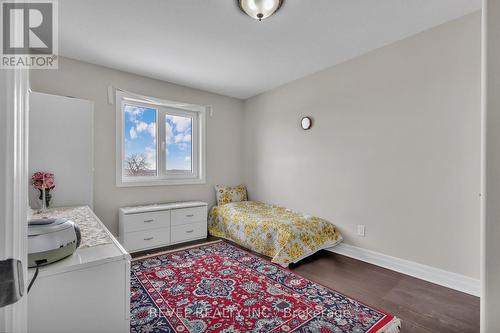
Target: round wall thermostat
{"x": 306, "y": 123}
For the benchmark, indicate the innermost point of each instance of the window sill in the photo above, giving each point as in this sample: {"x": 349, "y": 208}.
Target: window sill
{"x": 161, "y": 182}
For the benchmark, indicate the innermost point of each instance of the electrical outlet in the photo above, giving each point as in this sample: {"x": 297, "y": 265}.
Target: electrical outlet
{"x": 361, "y": 230}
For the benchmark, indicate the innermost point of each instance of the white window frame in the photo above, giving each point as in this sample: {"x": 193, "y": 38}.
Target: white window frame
{"x": 197, "y": 113}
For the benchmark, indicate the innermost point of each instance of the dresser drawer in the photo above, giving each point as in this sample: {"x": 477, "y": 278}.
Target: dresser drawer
{"x": 185, "y": 232}
{"x": 147, "y": 239}
{"x": 189, "y": 215}
{"x": 146, "y": 221}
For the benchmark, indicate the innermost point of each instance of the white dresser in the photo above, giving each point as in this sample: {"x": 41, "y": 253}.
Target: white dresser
{"x": 147, "y": 227}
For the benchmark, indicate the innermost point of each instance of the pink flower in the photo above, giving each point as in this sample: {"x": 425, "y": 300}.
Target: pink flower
{"x": 38, "y": 176}
{"x": 49, "y": 183}
{"x": 43, "y": 180}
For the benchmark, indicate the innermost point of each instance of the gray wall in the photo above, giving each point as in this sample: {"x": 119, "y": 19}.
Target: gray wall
{"x": 395, "y": 146}
{"x": 224, "y": 133}
{"x": 490, "y": 298}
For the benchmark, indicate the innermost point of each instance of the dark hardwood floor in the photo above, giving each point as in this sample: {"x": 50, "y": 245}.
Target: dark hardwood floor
{"x": 422, "y": 306}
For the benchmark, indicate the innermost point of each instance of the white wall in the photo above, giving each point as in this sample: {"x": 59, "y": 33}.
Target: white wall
{"x": 3, "y": 173}
{"x": 61, "y": 141}
{"x": 224, "y": 133}
{"x": 395, "y": 146}
{"x": 490, "y": 298}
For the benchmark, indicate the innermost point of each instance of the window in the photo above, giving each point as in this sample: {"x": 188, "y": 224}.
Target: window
{"x": 159, "y": 142}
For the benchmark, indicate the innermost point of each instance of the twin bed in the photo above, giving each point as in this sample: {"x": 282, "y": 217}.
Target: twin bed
{"x": 277, "y": 232}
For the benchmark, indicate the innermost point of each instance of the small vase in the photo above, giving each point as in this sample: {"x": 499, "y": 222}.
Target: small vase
{"x": 45, "y": 198}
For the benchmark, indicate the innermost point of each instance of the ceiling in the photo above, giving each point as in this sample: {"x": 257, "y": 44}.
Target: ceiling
{"x": 211, "y": 45}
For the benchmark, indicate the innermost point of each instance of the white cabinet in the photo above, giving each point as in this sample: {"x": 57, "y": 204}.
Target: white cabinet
{"x": 147, "y": 227}
{"x": 187, "y": 232}
{"x": 146, "y": 239}
{"x": 88, "y": 291}
{"x": 145, "y": 221}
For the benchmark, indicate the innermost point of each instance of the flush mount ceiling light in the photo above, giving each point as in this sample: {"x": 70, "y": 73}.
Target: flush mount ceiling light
{"x": 259, "y": 9}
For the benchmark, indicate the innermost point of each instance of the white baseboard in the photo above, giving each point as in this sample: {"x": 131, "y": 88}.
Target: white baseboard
{"x": 435, "y": 275}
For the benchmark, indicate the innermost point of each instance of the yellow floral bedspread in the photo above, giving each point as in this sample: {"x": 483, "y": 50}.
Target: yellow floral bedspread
{"x": 277, "y": 232}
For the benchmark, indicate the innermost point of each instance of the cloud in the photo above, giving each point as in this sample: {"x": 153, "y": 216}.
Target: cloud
{"x": 140, "y": 127}
{"x": 152, "y": 130}
{"x": 150, "y": 157}
{"x": 178, "y": 131}
{"x": 182, "y": 124}
{"x": 133, "y": 112}
{"x": 187, "y": 158}
{"x": 133, "y": 133}
{"x": 182, "y": 138}
{"x": 169, "y": 133}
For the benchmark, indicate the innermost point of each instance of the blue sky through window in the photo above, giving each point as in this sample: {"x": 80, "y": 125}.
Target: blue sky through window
{"x": 179, "y": 143}
{"x": 140, "y": 134}
{"x": 140, "y": 139}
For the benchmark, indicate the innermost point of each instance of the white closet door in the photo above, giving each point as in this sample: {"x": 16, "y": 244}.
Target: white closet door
{"x": 61, "y": 142}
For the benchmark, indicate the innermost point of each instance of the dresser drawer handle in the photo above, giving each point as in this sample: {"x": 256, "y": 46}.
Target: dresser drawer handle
{"x": 190, "y": 215}
{"x": 148, "y": 239}
{"x": 189, "y": 231}
{"x": 148, "y": 221}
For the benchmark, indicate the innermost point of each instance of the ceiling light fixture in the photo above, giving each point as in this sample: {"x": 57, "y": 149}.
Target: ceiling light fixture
{"x": 259, "y": 9}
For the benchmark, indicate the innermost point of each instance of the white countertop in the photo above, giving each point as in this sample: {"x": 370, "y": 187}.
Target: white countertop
{"x": 163, "y": 206}
{"x": 86, "y": 257}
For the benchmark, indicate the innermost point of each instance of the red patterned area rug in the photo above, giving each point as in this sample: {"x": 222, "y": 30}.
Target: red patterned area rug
{"x": 222, "y": 288}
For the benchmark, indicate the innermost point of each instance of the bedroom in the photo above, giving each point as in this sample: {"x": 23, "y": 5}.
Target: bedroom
{"x": 215, "y": 161}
